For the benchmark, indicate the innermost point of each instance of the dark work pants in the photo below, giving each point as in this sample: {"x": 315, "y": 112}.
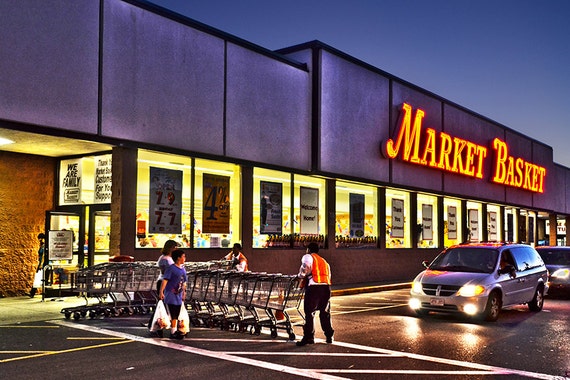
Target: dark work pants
{"x": 317, "y": 298}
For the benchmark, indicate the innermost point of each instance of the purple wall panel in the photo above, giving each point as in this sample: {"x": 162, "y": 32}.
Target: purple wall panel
{"x": 354, "y": 119}
{"x": 406, "y": 173}
{"x": 268, "y": 110}
{"x": 48, "y": 65}
{"x": 163, "y": 82}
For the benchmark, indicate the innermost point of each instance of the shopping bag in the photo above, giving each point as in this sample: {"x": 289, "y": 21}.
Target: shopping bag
{"x": 161, "y": 319}
{"x": 38, "y": 277}
{"x": 183, "y": 320}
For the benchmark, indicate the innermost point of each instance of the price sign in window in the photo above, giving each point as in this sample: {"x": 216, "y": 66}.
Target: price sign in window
{"x": 216, "y": 206}
{"x": 165, "y": 201}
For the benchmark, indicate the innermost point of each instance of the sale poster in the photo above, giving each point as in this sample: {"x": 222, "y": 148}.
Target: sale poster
{"x": 356, "y": 215}
{"x": 309, "y": 210}
{"x": 451, "y": 222}
{"x": 271, "y": 210}
{"x": 427, "y": 222}
{"x": 216, "y": 204}
{"x": 165, "y": 207}
{"x": 397, "y": 230}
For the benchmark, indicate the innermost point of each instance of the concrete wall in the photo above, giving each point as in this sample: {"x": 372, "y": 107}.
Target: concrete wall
{"x": 26, "y": 192}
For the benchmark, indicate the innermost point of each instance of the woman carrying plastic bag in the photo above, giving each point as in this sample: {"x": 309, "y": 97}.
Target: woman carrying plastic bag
{"x": 173, "y": 293}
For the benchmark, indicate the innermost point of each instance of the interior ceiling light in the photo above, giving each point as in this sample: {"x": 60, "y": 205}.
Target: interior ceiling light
{"x": 4, "y": 141}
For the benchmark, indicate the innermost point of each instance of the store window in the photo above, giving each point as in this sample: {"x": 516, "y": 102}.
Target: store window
{"x": 164, "y": 206}
{"x": 272, "y": 217}
{"x": 356, "y": 215}
{"x": 217, "y": 194}
{"x": 474, "y": 221}
{"x": 309, "y": 210}
{"x": 427, "y": 227}
{"x": 452, "y": 220}
{"x": 494, "y": 223}
{"x": 511, "y": 224}
{"x": 398, "y": 222}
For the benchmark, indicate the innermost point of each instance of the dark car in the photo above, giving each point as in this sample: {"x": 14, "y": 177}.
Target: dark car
{"x": 557, "y": 260}
{"x": 480, "y": 279}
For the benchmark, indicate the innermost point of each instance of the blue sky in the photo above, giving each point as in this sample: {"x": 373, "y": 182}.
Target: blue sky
{"x": 508, "y": 60}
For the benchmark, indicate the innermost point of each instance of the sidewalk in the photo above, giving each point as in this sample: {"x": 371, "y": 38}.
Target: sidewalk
{"x": 24, "y": 309}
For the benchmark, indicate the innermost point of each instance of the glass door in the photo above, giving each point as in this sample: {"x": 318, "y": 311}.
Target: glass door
{"x": 99, "y": 237}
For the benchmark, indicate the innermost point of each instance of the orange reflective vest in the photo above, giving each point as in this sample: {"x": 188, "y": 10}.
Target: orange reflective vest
{"x": 321, "y": 270}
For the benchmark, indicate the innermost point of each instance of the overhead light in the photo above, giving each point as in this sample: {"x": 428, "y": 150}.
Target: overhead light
{"x": 4, "y": 141}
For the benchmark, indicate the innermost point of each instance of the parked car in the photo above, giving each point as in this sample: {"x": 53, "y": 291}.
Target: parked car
{"x": 557, "y": 260}
{"x": 479, "y": 279}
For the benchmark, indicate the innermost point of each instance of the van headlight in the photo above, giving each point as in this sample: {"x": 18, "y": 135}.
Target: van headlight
{"x": 470, "y": 290}
{"x": 561, "y": 273}
{"x": 417, "y": 287}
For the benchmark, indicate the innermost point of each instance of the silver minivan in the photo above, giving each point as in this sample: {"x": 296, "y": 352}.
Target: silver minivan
{"x": 479, "y": 279}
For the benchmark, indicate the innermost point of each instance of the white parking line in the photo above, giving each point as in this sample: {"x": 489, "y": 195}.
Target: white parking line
{"x": 238, "y": 357}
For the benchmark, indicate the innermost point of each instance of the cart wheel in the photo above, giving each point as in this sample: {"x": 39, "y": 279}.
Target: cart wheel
{"x": 273, "y": 333}
{"x": 107, "y": 313}
{"x": 77, "y": 315}
{"x": 83, "y": 313}
{"x": 257, "y": 330}
{"x": 92, "y": 314}
{"x": 67, "y": 315}
{"x": 117, "y": 312}
{"x": 129, "y": 311}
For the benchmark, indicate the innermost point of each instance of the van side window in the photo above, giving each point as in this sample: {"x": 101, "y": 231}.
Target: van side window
{"x": 526, "y": 258}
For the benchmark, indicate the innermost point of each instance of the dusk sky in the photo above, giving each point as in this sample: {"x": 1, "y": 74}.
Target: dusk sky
{"x": 508, "y": 60}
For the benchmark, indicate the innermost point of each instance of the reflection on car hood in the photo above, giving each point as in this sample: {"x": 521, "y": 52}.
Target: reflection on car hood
{"x": 452, "y": 278}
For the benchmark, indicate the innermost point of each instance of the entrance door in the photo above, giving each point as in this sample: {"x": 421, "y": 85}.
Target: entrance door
{"x": 74, "y": 221}
{"x": 99, "y": 235}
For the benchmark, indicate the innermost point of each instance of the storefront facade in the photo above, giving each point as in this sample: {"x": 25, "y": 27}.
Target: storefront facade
{"x": 211, "y": 140}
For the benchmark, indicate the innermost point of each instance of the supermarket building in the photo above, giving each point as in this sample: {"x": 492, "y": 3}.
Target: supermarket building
{"x": 127, "y": 125}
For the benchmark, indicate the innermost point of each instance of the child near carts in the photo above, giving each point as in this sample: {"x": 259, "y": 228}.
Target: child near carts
{"x": 173, "y": 293}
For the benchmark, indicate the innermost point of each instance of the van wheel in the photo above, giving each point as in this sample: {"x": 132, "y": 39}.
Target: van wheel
{"x": 538, "y": 301}
{"x": 494, "y": 304}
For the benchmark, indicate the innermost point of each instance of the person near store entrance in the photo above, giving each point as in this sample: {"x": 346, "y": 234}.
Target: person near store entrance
{"x": 40, "y": 268}
{"x": 316, "y": 274}
{"x": 163, "y": 262}
{"x": 239, "y": 261}
{"x": 173, "y": 291}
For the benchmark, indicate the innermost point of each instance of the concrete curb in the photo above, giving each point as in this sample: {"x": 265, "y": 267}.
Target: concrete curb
{"x": 370, "y": 289}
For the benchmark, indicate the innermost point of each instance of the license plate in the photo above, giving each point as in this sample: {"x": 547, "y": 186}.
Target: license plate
{"x": 436, "y": 302}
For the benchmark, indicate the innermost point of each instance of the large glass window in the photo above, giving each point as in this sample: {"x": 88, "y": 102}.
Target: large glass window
{"x": 511, "y": 224}
{"x": 474, "y": 221}
{"x": 452, "y": 220}
{"x": 272, "y": 217}
{"x": 427, "y": 227}
{"x": 217, "y": 195}
{"x": 162, "y": 216}
{"x": 398, "y": 219}
{"x": 356, "y": 215}
{"x": 494, "y": 223}
{"x": 309, "y": 210}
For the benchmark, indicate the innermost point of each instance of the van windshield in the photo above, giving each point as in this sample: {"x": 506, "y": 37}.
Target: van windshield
{"x": 479, "y": 260}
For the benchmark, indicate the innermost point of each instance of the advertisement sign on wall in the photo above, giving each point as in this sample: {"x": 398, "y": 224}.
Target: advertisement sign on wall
{"x": 397, "y": 230}
{"x": 473, "y": 225}
{"x": 492, "y": 225}
{"x": 451, "y": 222}
{"x": 309, "y": 210}
{"x": 71, "y": 175}
{"x": 60, "y": 245}
{"x": 103, "y": 179}
{"x": 356, "y": 215}
{"x": 427, "y": 222}
{"x": 216, "y": 205}
{"x": 165, "y": 207}
{"x": 271, "y": 194}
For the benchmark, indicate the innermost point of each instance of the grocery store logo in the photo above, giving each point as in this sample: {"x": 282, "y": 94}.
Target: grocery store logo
{"x": 442, "y": 151}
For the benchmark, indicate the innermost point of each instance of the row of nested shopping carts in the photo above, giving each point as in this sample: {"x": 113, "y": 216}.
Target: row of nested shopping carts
{"x": 216, "y": 296}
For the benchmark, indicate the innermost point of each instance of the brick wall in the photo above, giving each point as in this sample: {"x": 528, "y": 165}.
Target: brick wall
{"x": 26, "y": 192}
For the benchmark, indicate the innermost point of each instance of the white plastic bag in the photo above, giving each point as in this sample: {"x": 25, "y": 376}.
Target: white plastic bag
{"x": 38, "y": 277}
{"x": 183, "y": 320}
{"x": 161, "y": 319}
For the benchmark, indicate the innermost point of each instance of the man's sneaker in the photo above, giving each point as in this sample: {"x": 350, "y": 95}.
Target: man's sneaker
{"x": 177, "y": 335}
{"x": 329, "y": 339}
{"x": 304, "y": 342}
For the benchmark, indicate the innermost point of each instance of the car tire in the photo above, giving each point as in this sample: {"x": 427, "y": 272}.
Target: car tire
{"x": 537, "y": 301}
{"x": 421, "y": 312}
{"x": 493, "y": 308}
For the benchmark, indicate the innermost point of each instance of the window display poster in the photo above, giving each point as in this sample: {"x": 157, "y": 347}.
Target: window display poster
{"x": 60, "y": 245}
{"x": 103, "y": 179}
{"x": 165, "y": 207}
{"x": 271, "y": 210}
{"x": 309, "y": 210}
{"x": 397, "y": 230}
{"x": 70, "y": 172}
{"x": 492, "y": 221}
{"x": 427, "y": 222}
{"x": 473, "y": 225}
{"x": 451, "y": 222}
{"x": 216, "y": 204}
{"x": 356, "y": 215}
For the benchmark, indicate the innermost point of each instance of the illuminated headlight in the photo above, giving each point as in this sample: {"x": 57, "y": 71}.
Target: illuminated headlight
{"x": 414, "y": 303}
{"x": 470, "y": 309}
{"x": 561, "y": 273}
{"x": 470, "y": 290}
{"x": 417, "y": 287}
